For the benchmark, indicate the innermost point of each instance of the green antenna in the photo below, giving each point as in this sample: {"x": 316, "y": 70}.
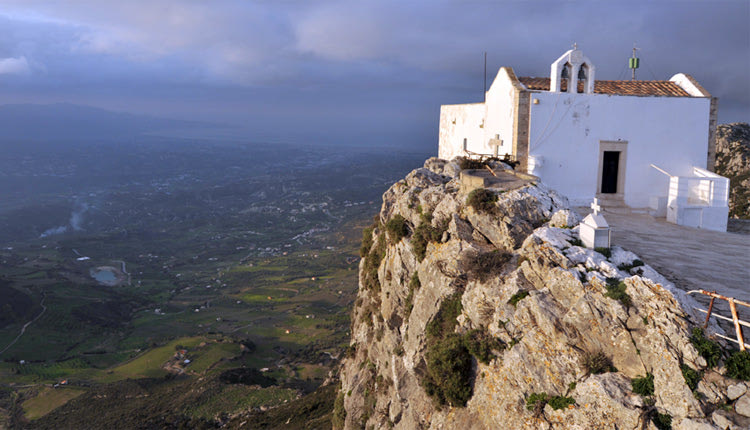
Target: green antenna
{"x": 634, "y": 62}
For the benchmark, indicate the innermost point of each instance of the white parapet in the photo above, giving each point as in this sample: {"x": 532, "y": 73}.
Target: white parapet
{"x": 700, "y": 200}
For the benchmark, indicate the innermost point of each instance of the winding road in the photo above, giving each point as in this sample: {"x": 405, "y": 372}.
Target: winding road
{"x": 23, "y": 329}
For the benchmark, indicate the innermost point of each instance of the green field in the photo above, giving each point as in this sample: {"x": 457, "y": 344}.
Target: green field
{"x": 219, "y": 255}
{"x": 47, "y": 400}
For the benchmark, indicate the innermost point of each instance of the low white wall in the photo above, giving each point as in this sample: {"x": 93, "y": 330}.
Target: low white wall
{"x": 459, "y": 122}
{"x": 566, "y": 129}
{"x": 710, "y": 211}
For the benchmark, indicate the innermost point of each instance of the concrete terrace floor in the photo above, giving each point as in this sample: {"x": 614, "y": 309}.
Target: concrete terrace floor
{"x": 690, "y": 258}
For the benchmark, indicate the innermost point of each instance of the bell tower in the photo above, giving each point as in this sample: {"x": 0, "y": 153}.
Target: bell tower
{"x": 574, "y": 67}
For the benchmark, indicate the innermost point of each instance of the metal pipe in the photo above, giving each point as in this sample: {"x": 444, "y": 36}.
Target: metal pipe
{"x": 719, "y": 296}
{"x": 722, "y": 317}
{"x": 661, "y": 170}
{"x": 738, "y": 323}
{"x": 731, "y": 339}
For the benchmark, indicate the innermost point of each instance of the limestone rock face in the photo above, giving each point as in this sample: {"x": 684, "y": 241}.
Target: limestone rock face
{"x": 733, "y": 161}
{"x": 547, "y": 304}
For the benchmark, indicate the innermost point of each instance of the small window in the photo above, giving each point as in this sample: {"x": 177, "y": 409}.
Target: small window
{"x": 466, "y": 144}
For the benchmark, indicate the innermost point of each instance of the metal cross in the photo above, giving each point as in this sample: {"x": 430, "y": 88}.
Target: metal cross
{"x": 575, "y": 46}
{"x": 595, "y": 206}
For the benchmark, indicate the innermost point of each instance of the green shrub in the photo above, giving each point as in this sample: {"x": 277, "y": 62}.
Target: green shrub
{"x": 628, "y": 267}
{"x": 414, "y": 284}
{"x": 449, "y": 366}
{"x": 350, "y": 351}
{"x": 709, "y": 350}
{"x": 484, "y": 265}
{"x": 643, "y": 385}
{"x": 445, "y": 319}
{"x": 468, "y": 163}
{"x": 366, "y": 241}
{"x": 662, "y": 421}
{"x": 537, "y": 401}
{"x": 616, "y": 290}
{"x": 738, "y": 365}
{"x": 575, "y": 242}
{"x": 607, "y": 252}
{"x": 480, "y": 343}
{"x": 339, "y": 413}
{"x": 372, "y": 263}
{"x": 560, "y": 402}
{"x": 448, "y": 376}
{"x": 692, "y": 377}
{"x": 515, "y": 298}
{"x": 425, "y": 233}
{"x": 482, "y": 200}
{"x": 399, "y": 350}
{"x": 597, "y": 362}
{"x": 397, "y": 228}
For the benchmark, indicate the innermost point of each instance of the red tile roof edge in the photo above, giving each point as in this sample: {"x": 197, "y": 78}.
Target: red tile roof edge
{"x": 616, "y": 87}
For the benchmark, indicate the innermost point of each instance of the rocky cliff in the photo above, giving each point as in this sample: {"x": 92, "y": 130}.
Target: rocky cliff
{"x": 733, "y": 161}
{"x": 480, "y": 309}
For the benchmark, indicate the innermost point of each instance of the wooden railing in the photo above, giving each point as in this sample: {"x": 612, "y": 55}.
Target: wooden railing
{"x": 738, "y": 323}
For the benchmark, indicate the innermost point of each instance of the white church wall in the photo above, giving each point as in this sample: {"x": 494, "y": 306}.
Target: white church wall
{"x": 501, "y": 111}
{"x": 459, "y": 122}
{"x": 566, "y": 131}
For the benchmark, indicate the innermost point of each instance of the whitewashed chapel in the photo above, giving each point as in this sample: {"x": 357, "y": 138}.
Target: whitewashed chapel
{"x": 644, "y": 144}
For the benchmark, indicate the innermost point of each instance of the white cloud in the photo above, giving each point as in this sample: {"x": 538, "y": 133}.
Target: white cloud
{"x": 14, "y": 66}
{"x": 231, "y": 40}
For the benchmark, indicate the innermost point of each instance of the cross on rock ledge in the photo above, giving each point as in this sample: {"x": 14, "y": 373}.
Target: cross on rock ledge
{"x": 595, "y": 206}
{"x": 594, "y": 230}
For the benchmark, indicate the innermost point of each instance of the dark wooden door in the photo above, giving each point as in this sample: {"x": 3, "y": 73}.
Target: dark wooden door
{"x": 610, "y": 165}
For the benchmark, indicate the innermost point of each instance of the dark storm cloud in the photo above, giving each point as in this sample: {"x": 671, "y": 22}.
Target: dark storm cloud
{"x": 343, "y": 70}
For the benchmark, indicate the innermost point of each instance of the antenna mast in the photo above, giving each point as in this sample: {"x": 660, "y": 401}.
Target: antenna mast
{"x": 485, "y": 76}
{"x": 633, "y": 62}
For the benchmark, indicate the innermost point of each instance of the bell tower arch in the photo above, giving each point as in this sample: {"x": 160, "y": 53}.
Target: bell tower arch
{"x": 575, "y": 68}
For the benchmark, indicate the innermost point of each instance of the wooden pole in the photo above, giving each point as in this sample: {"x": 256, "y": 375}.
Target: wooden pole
{"x": 737, "y": 326}
{"x": 708, "y": 314}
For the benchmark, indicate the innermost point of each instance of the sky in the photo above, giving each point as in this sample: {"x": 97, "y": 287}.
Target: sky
{"x": 359, "y": 72}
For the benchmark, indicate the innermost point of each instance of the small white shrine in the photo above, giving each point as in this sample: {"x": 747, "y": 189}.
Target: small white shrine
{"x": 594, "y": 229}
{"x": 591, "y": 138}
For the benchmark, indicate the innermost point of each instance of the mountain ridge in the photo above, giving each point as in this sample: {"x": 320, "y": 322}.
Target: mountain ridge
{"x": 66, "y": 121}
{"x": 481, "y": 309}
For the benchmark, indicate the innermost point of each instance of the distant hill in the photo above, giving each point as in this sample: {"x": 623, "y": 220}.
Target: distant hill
{"x": 733, "y": 161}
{"x": 64, "y": 121}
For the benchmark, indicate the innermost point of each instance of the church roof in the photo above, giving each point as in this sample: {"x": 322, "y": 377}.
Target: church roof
{"x": 626, "y": 88}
